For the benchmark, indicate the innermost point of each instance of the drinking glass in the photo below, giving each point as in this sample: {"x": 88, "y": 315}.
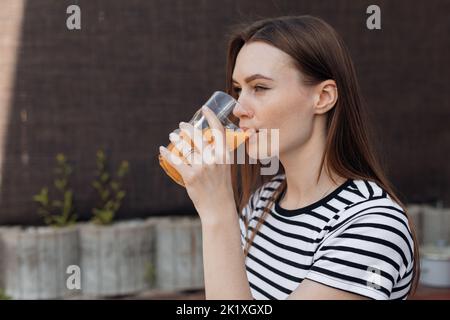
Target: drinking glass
{"x": 222, "y": 105}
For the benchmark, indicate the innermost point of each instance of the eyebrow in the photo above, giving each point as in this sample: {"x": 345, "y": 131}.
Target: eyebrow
{"x": 254, "y": 77}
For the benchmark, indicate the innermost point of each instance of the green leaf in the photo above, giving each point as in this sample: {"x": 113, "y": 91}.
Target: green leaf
{"x": 100, "y": 155}
{"x": 102, "y": 216}
{"x": 58, "y": 221}
{"x": 105, "y": 195}
{"x": 109, "y": 205}
{"x": 150, "y": 274}
{"x": 60, "y": 184}
{"x": 60, "y": 158}
{"x": 67, "y": 203}
{"x": 64, "y": 215}
{"x": 123, "y": 169}
{"x": 97, "y": 185}
{"x": 73, "y": 219}
{"x": 42, "y": 197}
{"x": 120, "y": 195}
{"x": 104, "y": 177}
{"x": 4, "y": 296}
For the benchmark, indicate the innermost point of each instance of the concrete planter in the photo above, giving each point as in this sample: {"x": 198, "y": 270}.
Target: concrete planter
{"x": 435, "y": 266}
{"x": 179, "y": 256}
{"x": 116, "y": 259}
{"x": 436, "y": 226}
{"x": 34, "y": 261}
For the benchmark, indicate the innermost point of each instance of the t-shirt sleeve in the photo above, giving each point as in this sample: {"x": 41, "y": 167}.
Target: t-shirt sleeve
{"x": 368, "y": 255}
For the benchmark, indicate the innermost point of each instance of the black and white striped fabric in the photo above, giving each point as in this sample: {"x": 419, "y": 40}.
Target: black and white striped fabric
{"x": 355, "y": 239}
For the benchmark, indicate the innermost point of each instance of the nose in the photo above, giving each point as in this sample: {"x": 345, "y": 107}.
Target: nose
{"x": 241, "y": 111}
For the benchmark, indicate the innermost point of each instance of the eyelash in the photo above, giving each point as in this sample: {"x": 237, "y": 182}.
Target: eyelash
{"x": 238, "y": 90}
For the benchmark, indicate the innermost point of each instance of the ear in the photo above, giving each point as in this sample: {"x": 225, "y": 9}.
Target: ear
{"x": 326, "y": 95}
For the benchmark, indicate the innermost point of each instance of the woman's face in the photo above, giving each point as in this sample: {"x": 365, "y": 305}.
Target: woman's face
{"x": 272, "y": 96}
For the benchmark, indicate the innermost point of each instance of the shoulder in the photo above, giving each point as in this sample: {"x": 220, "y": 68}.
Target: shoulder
{"x": 376, "y": 210}
{"x": 374, "y": 204}
{"x": 369, "y": 248}
{"x": 377, "y": 219}
{"x": 369, "y": 189}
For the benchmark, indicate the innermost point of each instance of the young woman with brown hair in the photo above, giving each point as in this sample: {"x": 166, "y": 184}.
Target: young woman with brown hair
{"x": 328, "y": 225}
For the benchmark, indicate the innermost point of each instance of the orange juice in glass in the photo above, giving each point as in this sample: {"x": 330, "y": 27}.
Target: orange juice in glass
{"x": 222, "y": 105}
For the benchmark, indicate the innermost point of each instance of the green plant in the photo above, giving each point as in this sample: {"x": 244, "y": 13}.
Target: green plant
{"x": 150, "y": 274}
{"x": 58, "y": 212}
{"x": 3, "y": 295}
{"x": 109, "y": 190}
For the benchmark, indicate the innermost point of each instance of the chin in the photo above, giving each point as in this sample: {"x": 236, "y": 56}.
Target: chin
{"x": 259, "y": 150}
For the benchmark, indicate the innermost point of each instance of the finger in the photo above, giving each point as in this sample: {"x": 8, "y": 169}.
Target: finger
{"x": 208, "y": 155}
{"x": 219, "y": 145}
{"x": 181, "y": 144}
{"x": 174, "y": 161}
{"x": 195, "y": 135}
{"x": 213, "y": 121}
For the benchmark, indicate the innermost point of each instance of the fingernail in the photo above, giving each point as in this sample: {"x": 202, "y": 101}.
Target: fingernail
{"x": 205, "y": 108}
{"x": 161, "y": 149}
{"x": 173, "y": 136}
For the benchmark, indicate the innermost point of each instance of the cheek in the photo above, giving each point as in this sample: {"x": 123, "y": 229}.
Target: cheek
{"x": 296, "y": 130}
{"x": 273, "y": 142}
{"x": 291, "y": 114}
{"x": 296, "y": 124}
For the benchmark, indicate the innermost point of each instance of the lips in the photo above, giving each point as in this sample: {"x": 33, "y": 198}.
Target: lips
{"x": 245, "y": 129}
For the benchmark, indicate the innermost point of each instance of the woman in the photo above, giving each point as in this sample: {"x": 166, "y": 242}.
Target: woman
{"x": 329, "y": 225}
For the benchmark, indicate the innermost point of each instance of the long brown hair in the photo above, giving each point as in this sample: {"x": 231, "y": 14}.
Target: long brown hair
{"x": 319, "y": 54}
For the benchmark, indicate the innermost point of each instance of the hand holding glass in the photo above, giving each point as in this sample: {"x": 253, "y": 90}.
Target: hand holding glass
{"x": 222, "y": 105}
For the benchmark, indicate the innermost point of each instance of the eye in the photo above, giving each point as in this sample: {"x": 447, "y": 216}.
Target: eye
{"x": 260, "y": 88}
{"x": 257, "y": 88}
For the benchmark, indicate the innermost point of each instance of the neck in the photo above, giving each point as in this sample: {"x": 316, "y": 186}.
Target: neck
{"x": 302, "y": 167}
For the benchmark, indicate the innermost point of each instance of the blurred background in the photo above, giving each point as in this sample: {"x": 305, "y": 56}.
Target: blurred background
{"x": 136, "y": 68}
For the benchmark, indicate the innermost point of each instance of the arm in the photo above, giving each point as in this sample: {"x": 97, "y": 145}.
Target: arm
{"x": 311, "y": 290}
{"x": 208, "y": 184}
{"x": 223, "y": 259}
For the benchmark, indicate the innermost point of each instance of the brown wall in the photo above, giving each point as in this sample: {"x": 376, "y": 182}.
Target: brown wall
{"x": 137, "y": 68}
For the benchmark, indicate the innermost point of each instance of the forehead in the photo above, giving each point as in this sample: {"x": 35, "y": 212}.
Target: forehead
{"x": 262, "y": 58}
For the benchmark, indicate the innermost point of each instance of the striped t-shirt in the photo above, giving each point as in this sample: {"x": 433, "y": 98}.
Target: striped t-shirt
{"x": 355, "y": 239}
